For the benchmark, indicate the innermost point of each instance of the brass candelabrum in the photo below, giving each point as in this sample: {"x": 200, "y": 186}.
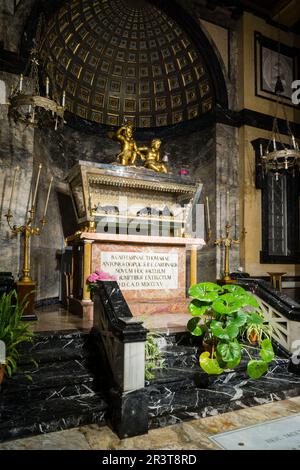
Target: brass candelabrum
{"x": 227, "y": 242}
{"x": 25, "y": 286}
{"x": 27, "y": 230}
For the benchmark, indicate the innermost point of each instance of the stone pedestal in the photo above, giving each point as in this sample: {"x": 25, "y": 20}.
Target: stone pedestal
{"x": 151, "y": 271}
{"x": 26, "y": 292}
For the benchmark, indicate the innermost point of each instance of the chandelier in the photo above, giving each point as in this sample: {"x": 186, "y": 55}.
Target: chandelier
{"x": 26, "y": 102}
{"x": 277, "y": 157}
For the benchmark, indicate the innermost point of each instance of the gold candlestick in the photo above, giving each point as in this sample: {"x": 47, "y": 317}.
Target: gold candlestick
{"x": 227, "y": 242}
{"x": 26, "y": 285}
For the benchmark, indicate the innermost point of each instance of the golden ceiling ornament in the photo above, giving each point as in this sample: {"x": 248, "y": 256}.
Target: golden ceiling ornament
{"x": 122, "y": 60}
{"x": 27, "y": 104}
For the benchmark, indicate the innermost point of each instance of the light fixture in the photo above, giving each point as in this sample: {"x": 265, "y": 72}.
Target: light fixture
{"x": 277, "y": 157}
{"x": 28, "y": 105}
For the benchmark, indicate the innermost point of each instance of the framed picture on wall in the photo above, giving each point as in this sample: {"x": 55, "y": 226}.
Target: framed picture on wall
{"x": 273, "y": 59}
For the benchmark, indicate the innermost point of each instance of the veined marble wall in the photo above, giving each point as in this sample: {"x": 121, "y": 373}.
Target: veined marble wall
{"x": 227, "y": 179}
{"x": 16, "y": 148}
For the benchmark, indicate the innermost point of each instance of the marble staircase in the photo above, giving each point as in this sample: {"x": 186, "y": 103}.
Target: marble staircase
{"x": 63, "y": 392}
{"x": 181, "y": 391}
{"x": 66, "y": 391}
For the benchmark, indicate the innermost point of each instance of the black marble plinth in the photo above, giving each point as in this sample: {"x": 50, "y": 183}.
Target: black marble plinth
{"x": 129, "y": 412}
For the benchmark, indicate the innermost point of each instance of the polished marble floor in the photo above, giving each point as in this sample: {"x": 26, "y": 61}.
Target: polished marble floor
{"x": 192, "y": 435}
{"x": 55, "y": 317}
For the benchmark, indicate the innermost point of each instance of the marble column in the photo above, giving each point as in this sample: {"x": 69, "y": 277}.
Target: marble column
{"x": 87, "y": 263}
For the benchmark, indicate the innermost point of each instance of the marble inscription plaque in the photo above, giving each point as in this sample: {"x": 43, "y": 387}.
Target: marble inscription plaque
{"x": 142, "y": 270}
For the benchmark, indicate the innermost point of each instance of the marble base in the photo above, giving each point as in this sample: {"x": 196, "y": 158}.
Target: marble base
{"x": 83, "y": 308}
{"x": 129, "y": 412}
{"x": 153, "y": 307}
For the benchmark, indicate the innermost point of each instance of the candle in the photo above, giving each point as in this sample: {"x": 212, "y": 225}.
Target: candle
{"x": 29, "y": 109}
{"x": 274, "y": 144}
{"x": 208, "y": 214}
{"x": 13, "y": 187}
{"x": 260, "y": 150}
{"x": 63, "y": 102}
{"x": 294, "y": 142}
{"x": 227, "y": 207}
{"x": 21, "y": 83}
{"x": 36, "y": 186}
{"x": 235, "y": 227}
{"x": 47, "y": 198}
{"x": 47, "y": 87}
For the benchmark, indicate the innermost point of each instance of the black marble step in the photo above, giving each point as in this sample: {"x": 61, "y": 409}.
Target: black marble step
{"x": 181, "y": 356}
{"x": 27, "y": 394}
{"x": 49, "y": 376}
{"x": 41, "y": 417}
{"x": 169, "y": 404}
{"x": 56, "y": 341}
{"x": 47, "y": 355}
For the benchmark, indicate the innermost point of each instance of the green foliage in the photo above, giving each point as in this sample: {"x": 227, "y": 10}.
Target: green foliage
{"x": 210, "y": 365}
{"x": 223, "y": 315}
{"x": 153, "y": 358}
{"x": 13, "y": 331}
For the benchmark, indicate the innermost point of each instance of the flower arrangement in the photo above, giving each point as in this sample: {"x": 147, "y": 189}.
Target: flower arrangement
{"x": 99, "y": 275}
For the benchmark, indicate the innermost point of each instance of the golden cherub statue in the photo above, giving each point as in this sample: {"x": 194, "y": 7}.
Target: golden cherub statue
{"x": 151, "y": 156}
{"x": 129, "y": 150}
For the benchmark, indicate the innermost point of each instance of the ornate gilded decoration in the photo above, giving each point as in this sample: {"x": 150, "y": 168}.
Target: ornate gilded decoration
{"x": 152, "y": 157}
{"x": 129, "y": 150}
{"x": 125, "y": 60}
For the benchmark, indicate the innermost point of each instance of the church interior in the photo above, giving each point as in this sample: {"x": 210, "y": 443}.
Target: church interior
{"x": 149, "y": 224}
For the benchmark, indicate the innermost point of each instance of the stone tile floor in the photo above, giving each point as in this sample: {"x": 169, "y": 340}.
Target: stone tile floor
{"x": 191, "y": 435}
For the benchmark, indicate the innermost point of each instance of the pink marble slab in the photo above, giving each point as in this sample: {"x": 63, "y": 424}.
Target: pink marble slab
{"x": 146, "y": 294}
{"x": 153, "y": 307}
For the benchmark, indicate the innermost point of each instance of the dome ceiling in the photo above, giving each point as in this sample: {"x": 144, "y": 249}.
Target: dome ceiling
{"x": 125, "y": 59}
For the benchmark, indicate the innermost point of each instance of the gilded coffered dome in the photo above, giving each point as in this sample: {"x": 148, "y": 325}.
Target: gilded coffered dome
{"x": 125, "y": 59}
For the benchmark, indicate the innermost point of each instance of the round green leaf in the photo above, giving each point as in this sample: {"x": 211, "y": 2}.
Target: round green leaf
{"x": 266, "y": 352}
{"x": 227, "y": 304}
{"x": 205, "y": 291}
{"x": 196, "y": 308}
{"x": 230, "y": 352}
{"x": 218, "y": 331}
{"x": 233, "y": 364}
{"x": 256, "y": 369}
{"x": 193, "y": 326}
{"x": 233, "y": 288}
{"x": 249, "y": 300}
{"x": 239, "y": 319}
{"x": 210, "y": 366}
{"x": 255, "y": 319}
{"x": 232, "y": 330}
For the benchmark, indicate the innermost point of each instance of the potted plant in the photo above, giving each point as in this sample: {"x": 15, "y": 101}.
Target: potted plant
{"x": 13, "y": 332}
{"x": 220, "y": 316}
{"x": 255, "y": 333}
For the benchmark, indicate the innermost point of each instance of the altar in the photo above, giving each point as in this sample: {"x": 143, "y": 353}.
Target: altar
{"x": 136, "y": 225}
